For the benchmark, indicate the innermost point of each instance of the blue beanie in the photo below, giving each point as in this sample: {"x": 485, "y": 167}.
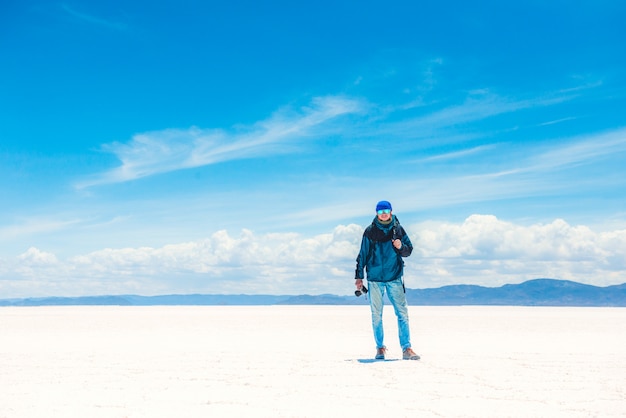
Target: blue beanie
{"x": 383, "y": 204}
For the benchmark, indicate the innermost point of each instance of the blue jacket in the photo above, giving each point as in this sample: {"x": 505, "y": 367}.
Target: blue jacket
{"x": 378, "y": 257}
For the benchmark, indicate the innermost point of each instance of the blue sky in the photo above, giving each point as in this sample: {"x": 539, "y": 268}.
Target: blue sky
{"x": 202, "y": 147}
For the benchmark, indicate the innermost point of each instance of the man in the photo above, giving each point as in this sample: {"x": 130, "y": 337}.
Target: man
{"x": 383, "y": 245}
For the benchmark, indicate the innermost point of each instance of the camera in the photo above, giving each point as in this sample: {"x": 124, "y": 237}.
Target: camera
{"x": 361, "y": 291}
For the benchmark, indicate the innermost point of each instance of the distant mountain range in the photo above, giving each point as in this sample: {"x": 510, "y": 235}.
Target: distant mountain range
{"x": 538, "y": 292}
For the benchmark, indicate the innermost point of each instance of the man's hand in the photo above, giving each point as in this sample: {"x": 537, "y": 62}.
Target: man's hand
{"x": 358, "y": 283}
{"x": 397, "y": 243}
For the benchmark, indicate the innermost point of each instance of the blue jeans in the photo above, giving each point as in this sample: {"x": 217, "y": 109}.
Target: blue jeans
{"x": 395, "y": 293}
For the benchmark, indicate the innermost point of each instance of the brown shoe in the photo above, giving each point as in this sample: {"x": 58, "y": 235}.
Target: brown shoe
{"x": 409, "y": 354}
{"x": 380, "y": 353}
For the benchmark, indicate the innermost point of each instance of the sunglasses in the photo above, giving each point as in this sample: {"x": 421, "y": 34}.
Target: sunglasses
{"x": 380, "y": 212}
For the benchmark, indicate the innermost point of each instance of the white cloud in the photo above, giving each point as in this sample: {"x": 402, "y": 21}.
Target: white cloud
{"x": 484, "y": 236}
{"x": 36, "y": 257}
{"x": 481, "y": 250}
{"x": 486, "y": 250}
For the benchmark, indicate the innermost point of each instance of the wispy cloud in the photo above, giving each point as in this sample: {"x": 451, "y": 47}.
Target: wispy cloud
{"x": 554, "y": 122}
{"x": 444, "y": 123}
{"x": 583, "y": 150}
{"x": 567, "y": 153}
{"x": 151, "y": 153}
{"x": 94, "y": 20}
{"x": 34, "y": 226}
{"x": 175, "y": 149}
{"x": 458, "y": 154}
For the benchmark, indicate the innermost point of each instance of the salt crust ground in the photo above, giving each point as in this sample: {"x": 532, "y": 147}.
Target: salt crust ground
{"x": 310, "y": 361}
